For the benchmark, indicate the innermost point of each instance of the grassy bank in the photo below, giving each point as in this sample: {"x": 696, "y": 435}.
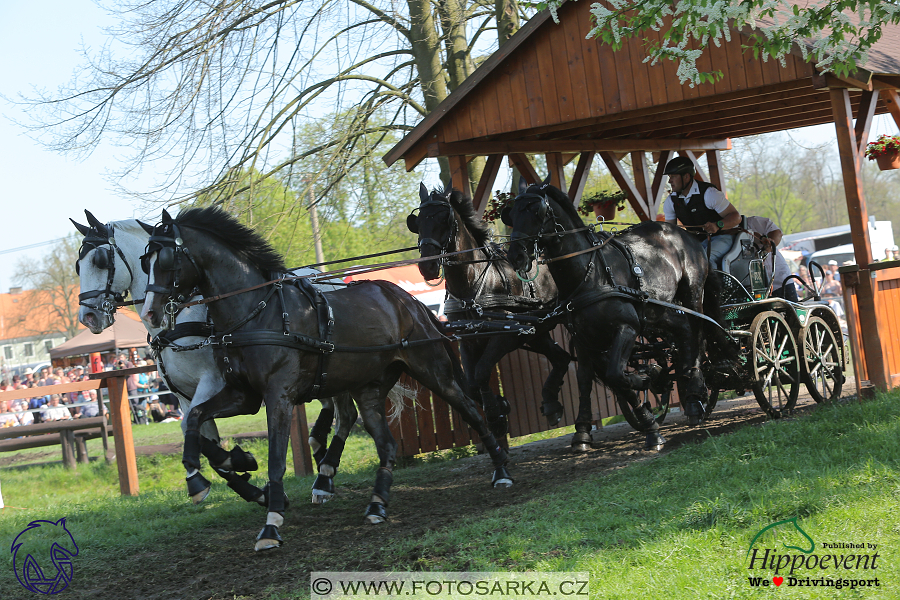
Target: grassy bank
{"x": 678, "y": 526}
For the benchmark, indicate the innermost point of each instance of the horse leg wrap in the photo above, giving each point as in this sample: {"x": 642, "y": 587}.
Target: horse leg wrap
{"x": 498, "y": 454}
{"x": 241, "y": 460}
{"x": 333, "y": 456}
{"x": 244, "y": 488}
{"x": 214, "y": 453}
{"x": 267, "y": 491}
{"x": 383, "y": 481}
{"x": 192, "y": 446}
{"x": 318, "y": 436}
{"x": 376, "y": 512}
{"x": 198, "y": 487}
{"x": 269, "y": 537}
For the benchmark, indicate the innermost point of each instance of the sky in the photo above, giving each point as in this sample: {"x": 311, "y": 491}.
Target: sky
{"x": 42, "y": 189}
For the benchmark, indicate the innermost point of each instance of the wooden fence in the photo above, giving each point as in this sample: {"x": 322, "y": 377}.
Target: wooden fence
{"x": 431, "y": 425}
{"x": 886, "y": 282}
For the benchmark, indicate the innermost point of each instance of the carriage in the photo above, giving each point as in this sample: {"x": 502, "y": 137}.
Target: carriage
{"x": 783, "y": 344}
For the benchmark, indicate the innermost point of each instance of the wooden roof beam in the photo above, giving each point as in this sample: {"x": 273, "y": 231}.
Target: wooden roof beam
{"x": 622, "y": 146}
{"x": 521, "y": 162}
{"x": 635, "y": 197}
{"x": 782, "y": 91}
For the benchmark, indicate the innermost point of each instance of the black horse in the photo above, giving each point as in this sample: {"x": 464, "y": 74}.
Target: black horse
{"x": 483, "y": 280}
{"x": 359, "y": 340}
{"x": 603, "y": 283}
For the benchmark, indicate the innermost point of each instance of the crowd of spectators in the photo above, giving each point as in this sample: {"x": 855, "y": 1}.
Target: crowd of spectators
{"x": 75, "y": 405}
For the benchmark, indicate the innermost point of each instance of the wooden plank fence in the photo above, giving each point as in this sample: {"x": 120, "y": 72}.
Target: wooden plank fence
{"x": 886, "y": 279}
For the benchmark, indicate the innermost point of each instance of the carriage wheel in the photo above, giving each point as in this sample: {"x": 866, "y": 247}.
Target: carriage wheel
{"x": 820, "y": 365}
{"x": 775, "y": 364}
{"x": 647, "y": 358}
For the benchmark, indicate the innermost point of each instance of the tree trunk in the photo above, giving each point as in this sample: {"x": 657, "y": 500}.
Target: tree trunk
{"x": 507, "y": 19}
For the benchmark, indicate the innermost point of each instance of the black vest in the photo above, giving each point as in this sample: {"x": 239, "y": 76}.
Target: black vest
{"x": 695, "y": 212}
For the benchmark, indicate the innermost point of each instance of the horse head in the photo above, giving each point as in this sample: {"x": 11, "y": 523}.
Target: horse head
{"x": 164, "y": 262}
{"x": 103, "y": 285}
{"x": 531, "y": 217}
{"x": 436, "y": 227}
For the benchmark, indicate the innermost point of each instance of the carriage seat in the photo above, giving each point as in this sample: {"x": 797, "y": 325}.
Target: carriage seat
{"x": 742, "y": 241}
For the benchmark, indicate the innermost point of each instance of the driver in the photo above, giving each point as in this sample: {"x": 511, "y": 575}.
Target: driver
{"x": 701, "y": 207}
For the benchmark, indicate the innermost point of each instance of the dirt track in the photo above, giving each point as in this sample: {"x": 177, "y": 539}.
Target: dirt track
{"x": 219, "y": 563}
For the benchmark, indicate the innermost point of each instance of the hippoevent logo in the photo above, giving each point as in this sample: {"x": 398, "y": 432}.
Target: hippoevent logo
{"x": 42, "y": 556}
{"x": 784, "y": 554}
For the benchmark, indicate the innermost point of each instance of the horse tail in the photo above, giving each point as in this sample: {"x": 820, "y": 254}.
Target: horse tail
{"x": 401, "y": 397}
{"x": 719, "y": 342}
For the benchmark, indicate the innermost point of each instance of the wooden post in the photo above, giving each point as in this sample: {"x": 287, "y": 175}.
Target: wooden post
{"x": 67, "y": 441}
{"x": 459, "y": 174}
{"x": 300, "y": 442}
{"x": 849, "y": 149}
{"x": 556, "y": 166}
{"x": 81, "y": 454}
{"x": 488, "y": 177}
{"x": 120, "y": 410}
{"x": 582, "y": 170}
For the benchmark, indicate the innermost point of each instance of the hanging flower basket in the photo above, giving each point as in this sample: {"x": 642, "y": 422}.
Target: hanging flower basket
{"x": 603, "y": 204}
{"x": 495, "y": 205}
{"x": 885, "y": 151}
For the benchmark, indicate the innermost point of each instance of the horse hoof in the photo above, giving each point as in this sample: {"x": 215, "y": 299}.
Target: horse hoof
{"x": 242, "y": 460}
{"x": 694, "y": 420}
{"x": 501, "y": 479}
{"x": 581, "y": 448}
{"x": 321, "y": 496}
{"x": 268, "y": 538}
{"x": 655, "y": 442}
{"x": 376, "y": 513}
{"x": 265, "y": 544}
{"x": 554, "y": 419}
{"x": 198, "y": 487}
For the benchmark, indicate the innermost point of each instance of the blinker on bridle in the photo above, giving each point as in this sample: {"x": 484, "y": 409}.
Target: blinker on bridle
{"x": 168, "y": 249}
{"x": 413, "y": 225}
{"x": 109, "y": 300}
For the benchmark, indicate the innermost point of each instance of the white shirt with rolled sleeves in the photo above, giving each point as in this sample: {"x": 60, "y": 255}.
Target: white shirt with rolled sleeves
{"x": 713, "y": 199}
{"x": 764, "y": 226}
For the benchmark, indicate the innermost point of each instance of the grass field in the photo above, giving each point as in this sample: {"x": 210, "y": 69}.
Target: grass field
{"x": 677, "y": 526}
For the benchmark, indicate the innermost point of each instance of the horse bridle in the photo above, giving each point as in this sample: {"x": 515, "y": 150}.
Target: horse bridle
{"x": 110, "y": 300}
{"x": 413, "y": 226}
{"x": 167, "y": 242}
{"x": 544, "y": 213}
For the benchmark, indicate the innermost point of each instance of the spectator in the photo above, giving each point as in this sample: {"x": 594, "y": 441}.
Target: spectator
{"x": 6, "y": 418}
{"x": 29, "y": 376}
{"x": 20, "y": 407}
{"x": 831, "y": 287}
{"x": 91, "y": 410}
{"x": 53, "y": 411}
{"x": 896, "y": 253}
{"x": 5, "y": 387}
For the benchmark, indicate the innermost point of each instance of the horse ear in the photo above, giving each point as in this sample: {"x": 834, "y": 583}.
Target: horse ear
{"x": 506, "y": 215}
{"x": 166, "y": 218}
{"x": 82, "y": 229}
{"x": 546, "y": 182}
{"x": 146, "y": 227}
{"x": 94, "y": 221}
{"x": 523, "y": 185}
{"x": 412, "y": 223}
{"x": 423, "y": 193}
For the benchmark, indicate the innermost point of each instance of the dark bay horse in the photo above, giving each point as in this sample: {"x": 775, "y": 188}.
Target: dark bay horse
{"x": 358, "y": 340}
{"x": 109, "y": 268}
{"x": 483, "y": 280}
{"x": 602, "y": 285}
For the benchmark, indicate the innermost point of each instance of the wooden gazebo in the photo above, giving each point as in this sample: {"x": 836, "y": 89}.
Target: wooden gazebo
{"x": 550, "y": 91}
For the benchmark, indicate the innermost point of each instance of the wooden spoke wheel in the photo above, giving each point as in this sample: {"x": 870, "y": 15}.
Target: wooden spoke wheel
{"x": 821, "y": 366}
{"x": 774, "y": 364}
{"x": 648, "y": 358}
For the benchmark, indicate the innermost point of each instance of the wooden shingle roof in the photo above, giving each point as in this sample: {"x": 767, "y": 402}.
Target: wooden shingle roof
{"x": 549, "y": 89}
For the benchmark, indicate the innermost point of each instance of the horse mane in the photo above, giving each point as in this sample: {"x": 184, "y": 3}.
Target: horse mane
{"x": 242, "y": 240}
{"x": 463, "y": 206}
{"x": 563, "y": 200}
